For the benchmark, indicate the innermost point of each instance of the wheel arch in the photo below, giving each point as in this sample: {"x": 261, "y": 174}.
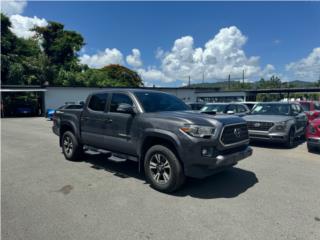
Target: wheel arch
{"x": 67, "y": 126}
{"x": 158, "y": 138}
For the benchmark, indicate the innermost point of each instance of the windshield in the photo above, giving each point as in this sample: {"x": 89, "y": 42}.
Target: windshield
{"x": 305, "y": 106}
{"x": 271, "y": 109}
{"x": 159, "y": 102}
{"x": 218, "y": 108}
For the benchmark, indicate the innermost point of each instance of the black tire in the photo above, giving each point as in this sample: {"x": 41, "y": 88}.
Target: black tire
{"x": 165, "y": 175}
{"x": 71, "y": 148}
{"x": 310, "y": 149}
{"x": 291, "y": 137}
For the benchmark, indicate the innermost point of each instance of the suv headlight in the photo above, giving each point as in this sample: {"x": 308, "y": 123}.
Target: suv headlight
{"x": 312, "y": 129}
{"x": 281, "y": 125}
{"x": 198, "y": 131}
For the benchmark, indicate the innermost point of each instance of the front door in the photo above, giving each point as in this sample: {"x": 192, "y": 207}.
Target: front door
{"x": 120, "y": 139}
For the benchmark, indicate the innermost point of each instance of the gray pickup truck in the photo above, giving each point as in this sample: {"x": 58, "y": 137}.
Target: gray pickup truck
{"x": 155, "y": 129}
{"x": 277, "y": 122}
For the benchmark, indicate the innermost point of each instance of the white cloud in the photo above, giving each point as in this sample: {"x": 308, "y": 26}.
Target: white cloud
{"x": 134, "y": 59}
{"x": 152, "y": 74}
{"x": 21, "y": 26}
{"x": 268, "y": 72}
{"x": 11, "y": 7}
{"x": 101, "y": 59}
{"x": 307, "y": 68}
{"x": 220, "y": 56}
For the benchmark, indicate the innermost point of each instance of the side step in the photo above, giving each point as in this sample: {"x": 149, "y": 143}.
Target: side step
{"x": 116, "y": 157}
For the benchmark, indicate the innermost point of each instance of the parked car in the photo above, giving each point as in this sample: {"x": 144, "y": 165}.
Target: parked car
{"x": 50, "y": 112}
{"x": 277, "y": 122}
{"x": 26, "y": 110}
{"x": 311, "y": 108}
{"x": 157, "y": 130}
{"x": 313, "y": 134}
{"x": 225, "y": 108}
{"x": 195, "y": 105}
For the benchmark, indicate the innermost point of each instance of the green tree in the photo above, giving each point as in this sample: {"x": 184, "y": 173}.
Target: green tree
{"x": 20, "y": 58}
{"x": 61, "y": 49}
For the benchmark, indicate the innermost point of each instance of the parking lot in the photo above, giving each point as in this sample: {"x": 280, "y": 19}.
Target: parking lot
{"x": 275, "y": 194}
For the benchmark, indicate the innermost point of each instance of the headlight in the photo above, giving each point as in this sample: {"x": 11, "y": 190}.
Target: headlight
{"x": 281, "y": 125}
{"x": 198, "y": 131}
{"x": 312, "y": 129}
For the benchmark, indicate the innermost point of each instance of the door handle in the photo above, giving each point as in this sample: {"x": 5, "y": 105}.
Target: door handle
{"x": 108, "y": 120}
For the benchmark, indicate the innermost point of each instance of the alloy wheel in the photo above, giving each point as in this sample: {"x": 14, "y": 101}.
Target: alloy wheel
{"x": 160, "y": 168}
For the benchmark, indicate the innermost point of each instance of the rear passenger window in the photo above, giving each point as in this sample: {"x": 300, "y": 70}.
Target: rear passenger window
{"x": 98, "y": 102}
{"x": 118, "y": 98}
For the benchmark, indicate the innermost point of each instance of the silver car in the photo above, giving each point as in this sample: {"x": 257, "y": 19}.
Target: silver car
{"x": 277, "y": 122}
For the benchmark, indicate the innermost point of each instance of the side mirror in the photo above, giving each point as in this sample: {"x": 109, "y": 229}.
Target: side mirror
{"x": 230, "y": 112}
{"x": 125, "y": 108}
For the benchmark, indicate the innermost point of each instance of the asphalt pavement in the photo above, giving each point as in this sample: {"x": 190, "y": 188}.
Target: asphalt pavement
{"x": 274, "y": 194}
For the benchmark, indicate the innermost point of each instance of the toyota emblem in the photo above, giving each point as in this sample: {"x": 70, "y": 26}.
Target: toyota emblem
{"x": 256, "y": 124}
{"x": 237, "y": 132}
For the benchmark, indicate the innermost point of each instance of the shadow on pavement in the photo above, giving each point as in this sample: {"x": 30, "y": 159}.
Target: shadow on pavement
{"x": 227, "y": 184}
{"x": 274, "y": 145}
{"x": 124, "y": 169}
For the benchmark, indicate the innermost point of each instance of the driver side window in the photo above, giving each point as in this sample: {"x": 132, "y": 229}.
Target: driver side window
{"x": 117, "y": 99}
{"x": 232, "y": 108}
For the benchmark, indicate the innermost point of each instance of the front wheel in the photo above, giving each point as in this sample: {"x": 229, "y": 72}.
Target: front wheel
{"x": 163, "y": 170}
{"x": 71, "y": 148}
{"x": 290, "y": 141}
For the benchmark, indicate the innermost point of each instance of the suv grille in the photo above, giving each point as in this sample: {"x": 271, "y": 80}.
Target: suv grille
{"x": 260, "y": 126}
{"x": 234, "y": 133}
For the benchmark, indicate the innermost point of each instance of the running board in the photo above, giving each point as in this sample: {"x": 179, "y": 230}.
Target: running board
{"x": 116, "y": 157}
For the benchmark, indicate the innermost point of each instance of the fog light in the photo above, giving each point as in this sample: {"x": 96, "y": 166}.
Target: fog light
{"x": 207, "y": 151}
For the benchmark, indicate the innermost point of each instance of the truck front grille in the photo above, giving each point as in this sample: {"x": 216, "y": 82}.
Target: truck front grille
{"x": 233, "y": 134}
{"x": 260, "y": 126}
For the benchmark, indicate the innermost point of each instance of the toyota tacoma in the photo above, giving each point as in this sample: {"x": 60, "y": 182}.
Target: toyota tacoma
{"x": 157, "y": 130}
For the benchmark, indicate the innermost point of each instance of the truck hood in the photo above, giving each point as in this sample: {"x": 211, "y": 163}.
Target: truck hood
{"x": 266, "y": 118}
{"x": 195, "y": 117}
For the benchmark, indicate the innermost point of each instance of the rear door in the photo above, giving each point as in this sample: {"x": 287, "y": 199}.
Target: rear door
{"x": 120, "y": 139}
{"x": 94, "y": 121}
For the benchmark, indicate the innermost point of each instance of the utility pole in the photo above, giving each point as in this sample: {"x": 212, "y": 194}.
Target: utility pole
{"x": 243, "y": 76}
{"x": 229, "y": 78}
{"x": 189, "y": 81}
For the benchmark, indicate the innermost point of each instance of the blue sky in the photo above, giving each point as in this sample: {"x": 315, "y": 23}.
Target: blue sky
{"x": 267, "y": 38}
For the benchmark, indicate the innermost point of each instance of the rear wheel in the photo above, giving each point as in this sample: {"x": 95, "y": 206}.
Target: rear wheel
{"x": 163, "y": 170}
{"x": 71, "y": 148}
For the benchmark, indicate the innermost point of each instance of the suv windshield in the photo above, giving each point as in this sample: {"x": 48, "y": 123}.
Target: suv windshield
{"x": 271, "y": 109}
{"x": 159, "y": 102}
{"x": 218, "y": 108}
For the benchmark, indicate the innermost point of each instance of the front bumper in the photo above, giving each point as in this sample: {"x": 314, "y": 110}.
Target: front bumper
{"x": 268, "y": 136}
{"x": 313, "y": 142}
{"x": 206, "y": 166}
